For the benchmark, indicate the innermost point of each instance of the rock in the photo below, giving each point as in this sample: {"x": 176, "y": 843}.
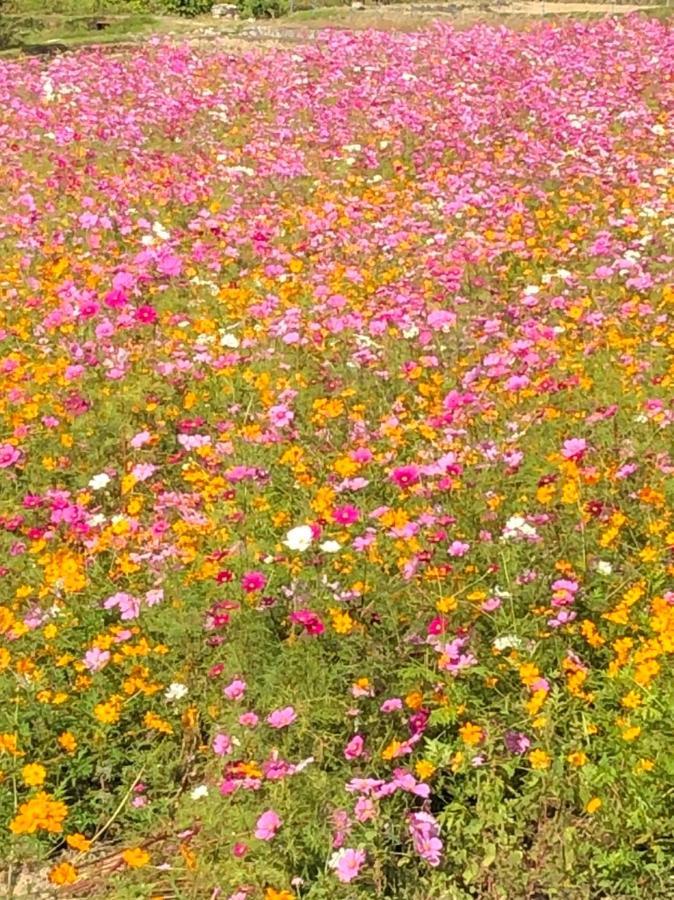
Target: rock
{"x": 357, "y": 5}
{"x": 225, "y": 11}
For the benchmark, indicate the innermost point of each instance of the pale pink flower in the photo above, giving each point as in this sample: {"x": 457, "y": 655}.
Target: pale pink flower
{"x": 267, "y": 825}
{"x": 235, "y": 690}
{"x": 281, "y": 718}
{"x": 347, "y": 863}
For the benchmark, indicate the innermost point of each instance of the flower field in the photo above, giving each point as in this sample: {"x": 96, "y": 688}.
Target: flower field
{"x": 336, "y": 457}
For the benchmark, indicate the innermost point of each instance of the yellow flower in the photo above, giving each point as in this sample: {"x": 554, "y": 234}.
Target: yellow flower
{"x": 471, "y": 734}
{"x": 424, "y": 769}
{"x": 136, "y": 857}
{"x": 391, "y": 751}
{"x": 539, "y": 759}
{"x": 341, "y": 621}
{"x": 64, "y": 873}
{"x": 33, "y": 774}
{"x": 592, "y": 806}
{"x": 577, "y": 759}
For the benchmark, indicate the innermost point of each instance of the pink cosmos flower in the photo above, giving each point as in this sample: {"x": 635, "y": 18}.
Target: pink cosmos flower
{"x": 364, "y": 810}
{"x": 354, "y": 748}
{"x": 281, "y": 718}
{"x": 222, "y": 744}
{"x": 249, "y": 719}
{"x": 235, "y": 689}
{"x": 128, "y": 606}
{"x": 309, "y": 620}
{"x": 458, "y": 548}
{"x": 140, "y": 439}
{"x": 9, "y": 456}
{"x": 96, "y": 659}
{"x": 405, "y": 476}
{"x": 347, "y": 864}
{"x": 574, "y": 448}
{"x": 392, "y": 705}
{"x": 345, "y": 515}
{"x": 253, "y": 581}
{"x": 280, "y": 416}
{"x": 267, "y": 825}
{"x": 424, "y": 831}
{"x": 146, "y": 314}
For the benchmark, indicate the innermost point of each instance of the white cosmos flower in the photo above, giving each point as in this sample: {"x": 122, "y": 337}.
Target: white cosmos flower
{"x": 299, "y": 538}
{"x": 331, "y": 546}
{"x": 199, "y": 792}
{"x": 518, "y": 528}
{"x": 229, "y": 340}
{"x": 175, "y": 691}
{"x": 100, "y": 481}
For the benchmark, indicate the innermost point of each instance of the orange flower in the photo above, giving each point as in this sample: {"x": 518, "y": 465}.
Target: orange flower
{"x": 41, "y": 812}
{"x": 64, "y": 873}
{"x": 67, "y": 742}
{"x": 78, "y": 842}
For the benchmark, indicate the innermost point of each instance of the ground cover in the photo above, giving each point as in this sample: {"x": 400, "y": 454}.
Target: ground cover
{"x": 335, "y": 467}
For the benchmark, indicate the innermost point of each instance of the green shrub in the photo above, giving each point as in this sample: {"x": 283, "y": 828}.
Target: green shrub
{"x": 263, "y": 9}
{"x": 188, "y": 8}
{"x": 7, "y": 26}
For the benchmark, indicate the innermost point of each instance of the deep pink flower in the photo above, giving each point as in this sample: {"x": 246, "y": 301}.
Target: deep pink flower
{"x": 146, "y": 314}
{"x": 253, "y": 581}
{"x": 405, "y": 476}
{"x": 309, "y": 620}
{"x": 345, "y": 515}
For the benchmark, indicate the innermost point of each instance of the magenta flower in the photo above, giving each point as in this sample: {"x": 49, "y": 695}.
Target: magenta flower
{"x": 309, "y": 620}
{"x": 267, "y": 825}
{"x": 146, "y": 314}
{"x": 405, "y": 476}
{"x": 253, "y": 581}
{"x": 281, "y": 718}
{"x": 345, "y": 515}
{"x": 347, "y": 863}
